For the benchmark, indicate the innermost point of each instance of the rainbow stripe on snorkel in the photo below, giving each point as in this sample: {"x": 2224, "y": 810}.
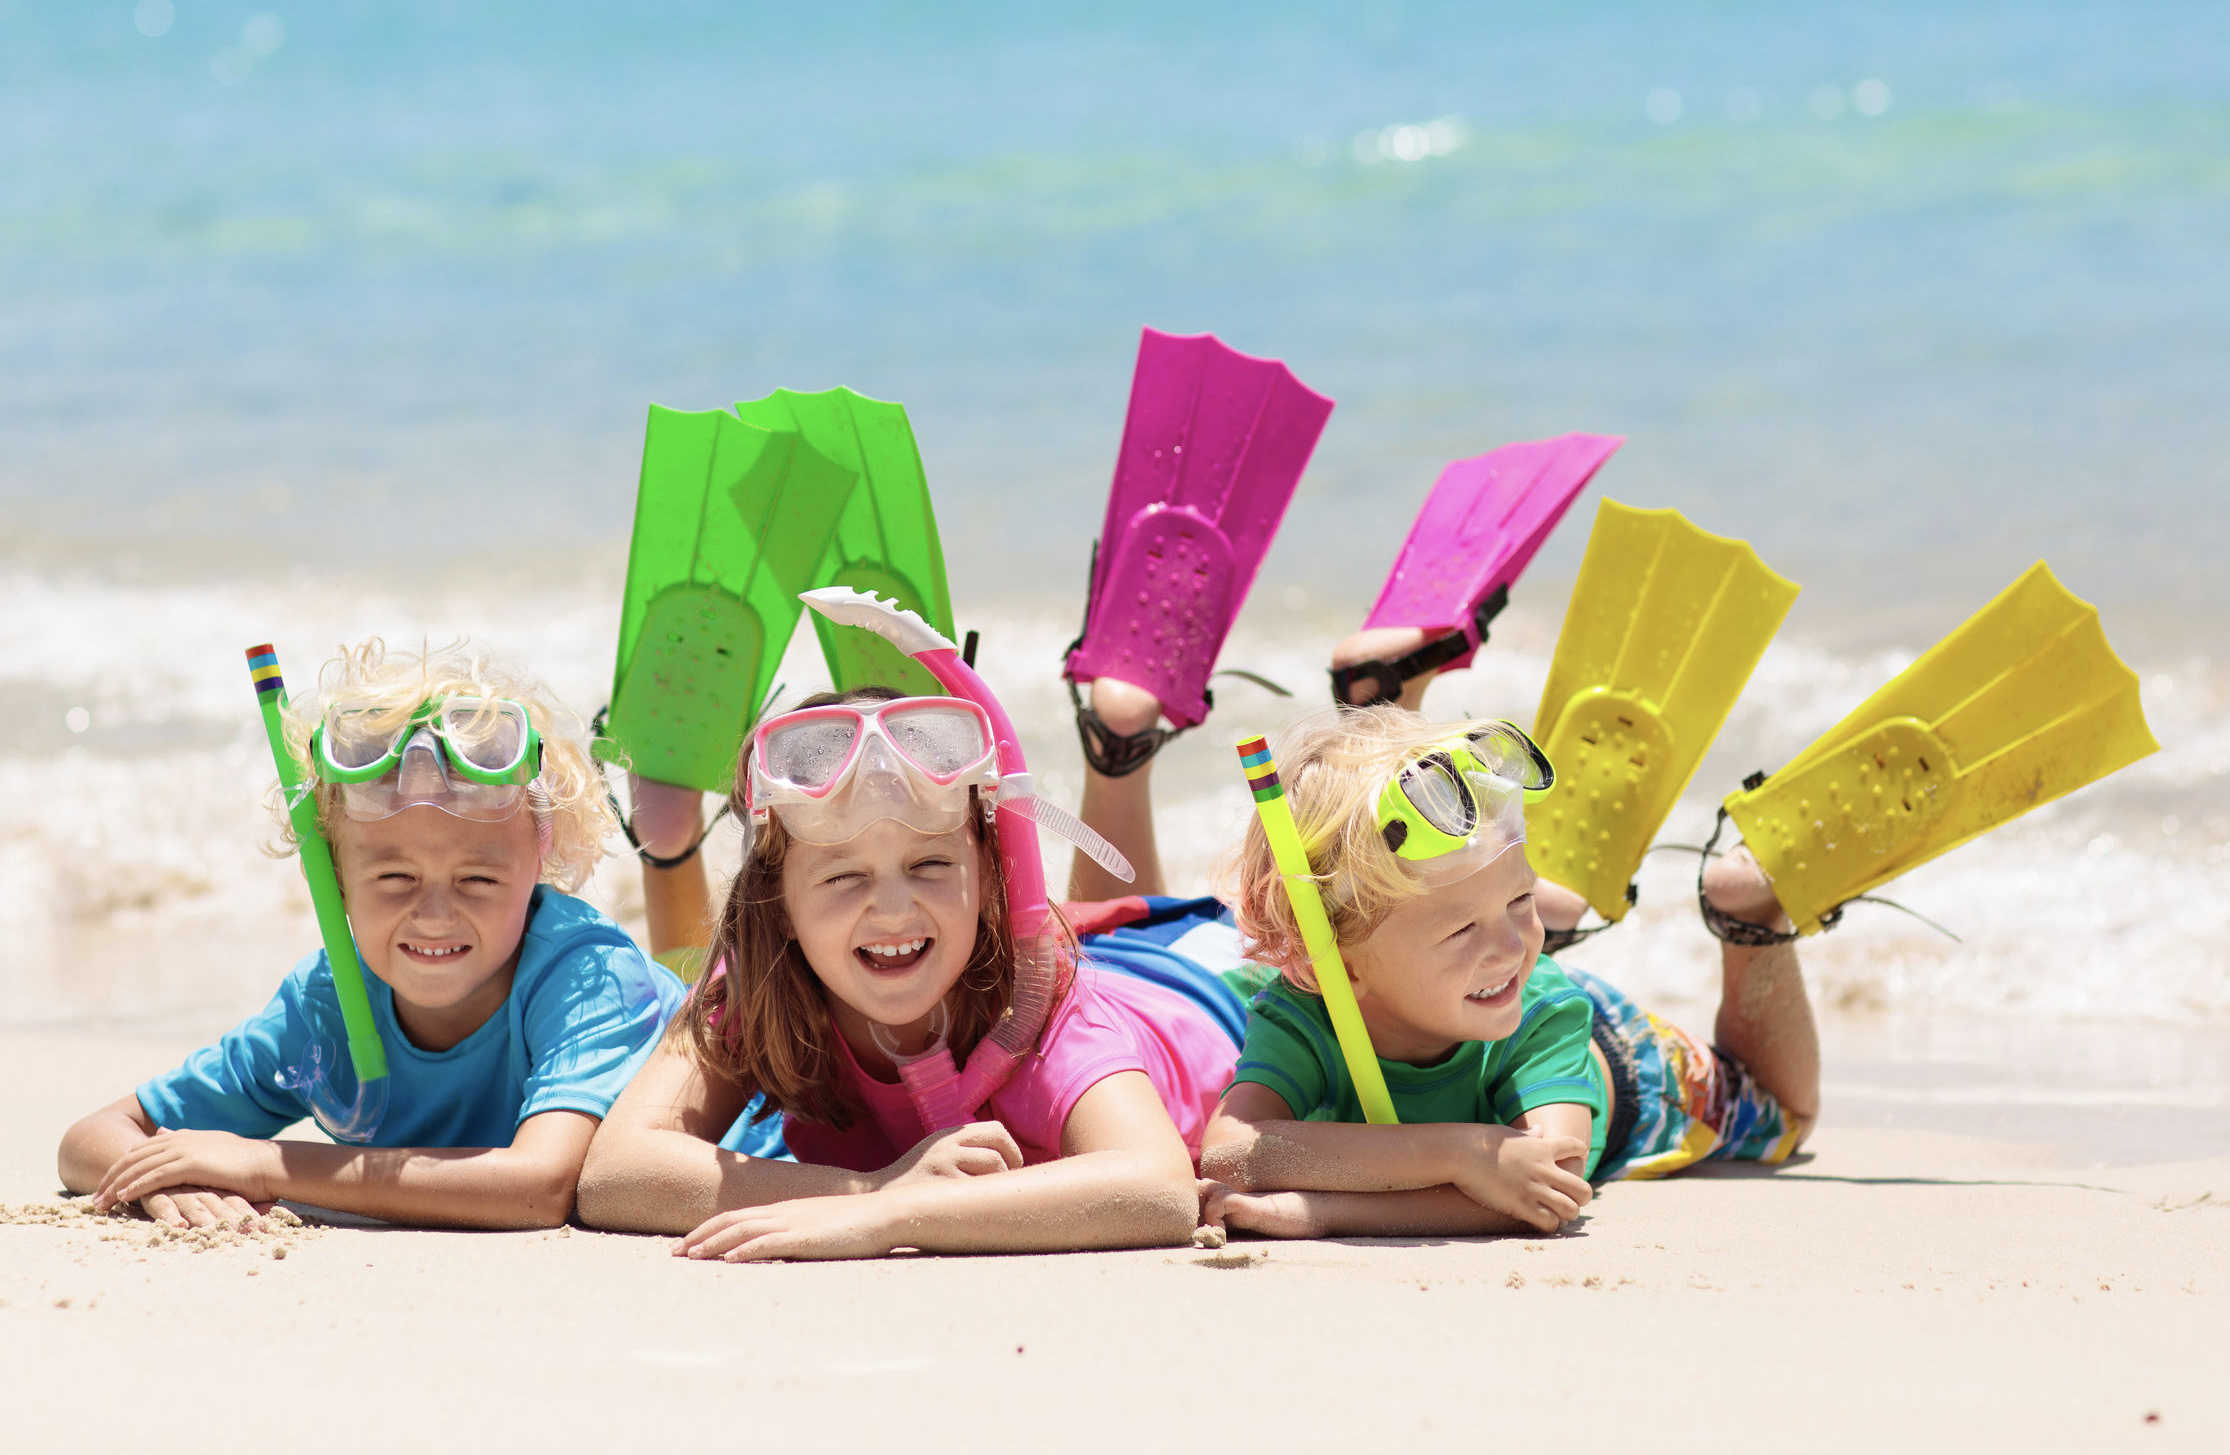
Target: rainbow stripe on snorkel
{"x": 365, "y": 1052}
{"x": 1316, "y": 930}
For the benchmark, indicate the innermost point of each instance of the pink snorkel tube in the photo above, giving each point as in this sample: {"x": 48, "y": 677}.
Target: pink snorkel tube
{"x": 943, "y": 1095}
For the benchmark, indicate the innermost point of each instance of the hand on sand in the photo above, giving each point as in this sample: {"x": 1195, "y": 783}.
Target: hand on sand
{"x": 1516, "y": 1172}
{"x": 855, "y": 1226}
{"x": 975, "y": 1150}
{"x": 206, "y": 1207}
{"x": 194, "y": 1164}
{"x": 1272, "y": 1214}
{"x": 1735, "y": 884}
{"x": 667, "y": 817}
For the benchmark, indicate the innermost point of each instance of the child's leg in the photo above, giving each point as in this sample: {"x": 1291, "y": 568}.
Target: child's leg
{"x": 1765, "y": 1017}
{"x": 677, "y": 903}
{"x": 1122, "y": 809}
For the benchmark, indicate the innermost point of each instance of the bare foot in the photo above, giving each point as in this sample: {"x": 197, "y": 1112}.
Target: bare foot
{"x": 667, "y": 817}
{"x": 1735, "y": 885}
{"x": 1384, "y": 644}
{"x": 1125, "y": 708}
{"x": 1560, "y": 908}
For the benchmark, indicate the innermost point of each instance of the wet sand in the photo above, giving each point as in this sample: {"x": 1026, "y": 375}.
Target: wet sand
{"x": 1895, "y": 1286}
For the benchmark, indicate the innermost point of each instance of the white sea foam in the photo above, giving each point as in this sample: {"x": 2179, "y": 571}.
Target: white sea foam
{"x": 136, "y": 885}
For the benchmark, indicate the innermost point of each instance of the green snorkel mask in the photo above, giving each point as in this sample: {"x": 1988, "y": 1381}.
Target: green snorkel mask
{"x": 471, "y": 757}
{"x": 1460, "y": 805}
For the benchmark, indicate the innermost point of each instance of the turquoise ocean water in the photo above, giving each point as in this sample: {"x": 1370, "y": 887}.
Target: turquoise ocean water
{"x": 340, "y": 318}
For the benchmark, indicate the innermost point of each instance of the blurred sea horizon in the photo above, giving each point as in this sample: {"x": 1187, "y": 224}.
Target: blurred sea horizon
{"x": 324, "y": 322}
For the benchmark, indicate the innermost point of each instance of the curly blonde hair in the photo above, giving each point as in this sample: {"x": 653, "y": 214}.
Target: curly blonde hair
{"x": 572, "y": 815}
{"x": 1333, "y": 766}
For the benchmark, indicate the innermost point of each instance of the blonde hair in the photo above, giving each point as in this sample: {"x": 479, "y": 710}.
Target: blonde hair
{"x": 572, "y": 816}
{"x": 1333, "y": 766}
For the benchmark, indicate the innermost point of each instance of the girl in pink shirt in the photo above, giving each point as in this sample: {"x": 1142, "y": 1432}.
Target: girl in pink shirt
{"x": 863, "y": 955}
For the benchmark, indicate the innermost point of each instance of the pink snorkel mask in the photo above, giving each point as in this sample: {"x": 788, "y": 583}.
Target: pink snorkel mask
{"x": 834, "y": 770}
{"x": 885, "y": 760}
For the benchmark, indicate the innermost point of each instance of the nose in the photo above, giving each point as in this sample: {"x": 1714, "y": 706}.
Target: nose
{"x": 892, "y": 899}
{"x": 435, "y": 907}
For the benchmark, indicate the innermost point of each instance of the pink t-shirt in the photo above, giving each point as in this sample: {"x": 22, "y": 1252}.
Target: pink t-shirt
{"x": 1108, "y": 1023}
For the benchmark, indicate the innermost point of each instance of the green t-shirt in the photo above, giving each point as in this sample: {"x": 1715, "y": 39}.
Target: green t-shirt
{"x": 1292, "y": 1050}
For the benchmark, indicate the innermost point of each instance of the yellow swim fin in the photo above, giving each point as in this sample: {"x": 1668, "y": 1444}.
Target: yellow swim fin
{"x": 2023, "y": 703}
{"x": 1666, "y": 624}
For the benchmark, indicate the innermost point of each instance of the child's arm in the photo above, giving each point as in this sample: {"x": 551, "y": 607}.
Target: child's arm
{"x": 1419, "y": 1212}
{"x": 1254, "y": 1145}
{"x": 94, "y": 1143}
{"x": 656, "y": 1165}
{"x": 1124, "y": 1180}
{"x": 528, "y": 1184}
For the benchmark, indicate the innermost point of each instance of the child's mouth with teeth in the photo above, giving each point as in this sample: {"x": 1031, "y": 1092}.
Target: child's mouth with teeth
{"x": 893, "y": 954}
{"x": 1494, "y": 993}
{"x": 435, "y": 952}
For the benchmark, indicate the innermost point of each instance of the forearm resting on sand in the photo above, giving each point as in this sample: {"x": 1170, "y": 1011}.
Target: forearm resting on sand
{"x": 1252, "y": 1146}
{"x": 1423, "y": 1211}
{"x": 528, "y": 1184}
{"x": 1123, "y": 1180}
{"x": 656, "y": 1165}
{"x": 1114, "y": 1199}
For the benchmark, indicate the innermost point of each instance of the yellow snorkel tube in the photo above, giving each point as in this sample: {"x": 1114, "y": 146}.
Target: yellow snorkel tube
{"x": 1316, "y": 931}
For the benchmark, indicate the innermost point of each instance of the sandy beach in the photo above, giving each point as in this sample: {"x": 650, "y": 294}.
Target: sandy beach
{"x": 1898, "y": 1287}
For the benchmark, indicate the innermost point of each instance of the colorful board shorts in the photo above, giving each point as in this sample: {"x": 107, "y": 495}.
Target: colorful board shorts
{"x": 1680, "y": 1101}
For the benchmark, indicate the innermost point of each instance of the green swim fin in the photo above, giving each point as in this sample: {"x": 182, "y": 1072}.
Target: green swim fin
{"x": 1666, "y": 624}
{"x": 2023, "y": 703}
{"x": 886, "y": 539}
{"x": 731, "y": 519}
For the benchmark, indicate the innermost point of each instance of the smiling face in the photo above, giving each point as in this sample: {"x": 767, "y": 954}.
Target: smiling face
{"x": 439, "y": 905}
{"x": 887, "y": 921}
{"x": 1450, "y": 965}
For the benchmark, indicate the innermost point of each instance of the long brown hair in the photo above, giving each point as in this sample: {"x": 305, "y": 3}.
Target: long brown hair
{"x": 761, "y": 1019}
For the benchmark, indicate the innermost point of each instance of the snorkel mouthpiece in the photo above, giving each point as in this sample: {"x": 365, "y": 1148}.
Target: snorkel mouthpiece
{"x": 1039, "y": 947}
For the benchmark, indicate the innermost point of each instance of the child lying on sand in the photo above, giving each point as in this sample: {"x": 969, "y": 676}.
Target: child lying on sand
{"x": 1516, "y": 1081}
{"x": 512, "y": 1013}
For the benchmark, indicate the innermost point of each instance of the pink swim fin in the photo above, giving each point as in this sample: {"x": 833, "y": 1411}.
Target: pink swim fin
{"x": 1213, "y": 447}
{"x": 1479, "y": 530}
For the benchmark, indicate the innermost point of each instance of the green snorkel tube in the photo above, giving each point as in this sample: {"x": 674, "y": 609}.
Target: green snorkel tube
{"x": 353, "y": 1118}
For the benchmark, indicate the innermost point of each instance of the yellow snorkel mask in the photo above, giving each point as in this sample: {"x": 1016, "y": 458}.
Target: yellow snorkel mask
{"x": 1460, "y": 805}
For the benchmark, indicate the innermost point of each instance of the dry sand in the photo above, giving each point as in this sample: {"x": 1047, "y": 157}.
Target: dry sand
{"x": 1897, "y": 1289}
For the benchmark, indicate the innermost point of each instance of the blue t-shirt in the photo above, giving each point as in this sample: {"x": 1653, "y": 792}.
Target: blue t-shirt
{"x": 585, "y": 1010}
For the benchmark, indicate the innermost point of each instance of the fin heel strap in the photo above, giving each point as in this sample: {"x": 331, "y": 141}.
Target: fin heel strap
{"x": 1387, "y": 679}
{"x": 596, "y": 728}
{"x": 1727, "y": 927}
{"x": 1553, "y": 941}
{"x": 1113, "y": 754}
{"x": 1746, "y": 932}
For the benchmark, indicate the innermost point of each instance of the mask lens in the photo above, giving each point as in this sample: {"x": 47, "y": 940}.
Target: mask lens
{"x": 356, "y": 738}
{"x": 489, "y": 734}
{"x": 810, "y": 753}
{"x": 1434, "y": 790}
{"x": 1509, "y": 754}
{"x": 940, "y": 740}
